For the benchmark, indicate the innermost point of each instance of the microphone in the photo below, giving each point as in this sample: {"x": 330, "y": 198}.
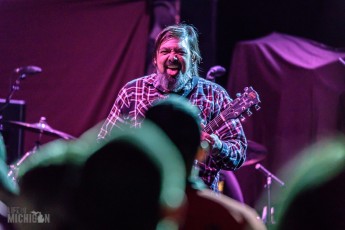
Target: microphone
{"x": 215, "y": 71}
{"x": 31, "y": 69}
{"x": 268, "y": 173}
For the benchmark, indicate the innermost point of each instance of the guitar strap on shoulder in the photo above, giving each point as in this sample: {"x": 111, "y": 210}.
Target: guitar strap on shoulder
{"x": 194, "y": 83}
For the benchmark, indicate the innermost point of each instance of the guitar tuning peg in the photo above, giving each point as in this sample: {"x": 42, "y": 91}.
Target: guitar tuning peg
{"x": 249, "y": 113}
{"x": 257, "y": 107}
{"x": 242, "y": 118}
{"x": 238, "y": 95}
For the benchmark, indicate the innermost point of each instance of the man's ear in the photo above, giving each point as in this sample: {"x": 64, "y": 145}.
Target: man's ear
{"x": 193, "y": 58}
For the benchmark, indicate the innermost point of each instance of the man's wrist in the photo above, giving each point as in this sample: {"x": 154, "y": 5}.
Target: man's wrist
{"x": 218, "y": 144}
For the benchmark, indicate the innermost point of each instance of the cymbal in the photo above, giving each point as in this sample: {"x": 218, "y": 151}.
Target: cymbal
{"x": 255, "y": 153}
{"x": 41, "y": 127}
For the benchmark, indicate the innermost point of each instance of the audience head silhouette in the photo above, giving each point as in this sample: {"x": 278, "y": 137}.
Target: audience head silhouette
{"x": 127, "y": 183}
{"x": 180, "y": 121}
{"x": 47, "y": 182}
{"x": 206, "y": 210}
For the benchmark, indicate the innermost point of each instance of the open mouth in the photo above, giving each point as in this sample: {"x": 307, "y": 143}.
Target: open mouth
{"x": 173, "y": 70}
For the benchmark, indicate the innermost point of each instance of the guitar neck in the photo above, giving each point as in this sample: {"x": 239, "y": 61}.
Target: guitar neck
{"x": 215, "y": 123}
{"x": 235, "y": 109}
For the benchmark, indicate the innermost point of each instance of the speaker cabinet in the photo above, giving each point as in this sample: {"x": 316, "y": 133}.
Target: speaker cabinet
{"x": 13, "y": 136}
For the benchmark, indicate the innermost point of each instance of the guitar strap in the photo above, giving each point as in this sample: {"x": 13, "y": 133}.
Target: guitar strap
{"x": 194, "y": 83}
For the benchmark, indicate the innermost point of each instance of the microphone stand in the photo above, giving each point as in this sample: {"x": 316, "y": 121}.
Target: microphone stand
{"x": 14, "y": 87}
{"x": 23, "y": 72}
{"x": 269, "y": 209}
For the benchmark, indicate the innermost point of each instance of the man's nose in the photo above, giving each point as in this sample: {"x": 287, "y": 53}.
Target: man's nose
{"x": 173, "y": 58}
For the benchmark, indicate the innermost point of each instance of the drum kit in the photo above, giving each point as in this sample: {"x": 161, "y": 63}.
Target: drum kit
{"x": 41, "y": 128}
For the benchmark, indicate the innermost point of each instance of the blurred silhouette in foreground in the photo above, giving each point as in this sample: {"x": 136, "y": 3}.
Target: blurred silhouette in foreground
{"x": 123, "y": 183}
{"x": 47, "y": 182}
{"x": 127, "y": 183}
{"x": 314, "y": 195}
{"x": 8, "y": 188}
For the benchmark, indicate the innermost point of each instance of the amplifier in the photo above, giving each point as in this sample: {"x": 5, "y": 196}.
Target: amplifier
{"x": 13, "y": 136}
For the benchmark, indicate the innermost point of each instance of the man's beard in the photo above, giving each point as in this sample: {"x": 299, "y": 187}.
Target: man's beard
{"x": 173, "y": 84}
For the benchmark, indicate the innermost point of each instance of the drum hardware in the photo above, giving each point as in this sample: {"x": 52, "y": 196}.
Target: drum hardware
{"x": 255, "y": 153}
{"x": 13, "y": 172}
{"x": 41, "y": 128}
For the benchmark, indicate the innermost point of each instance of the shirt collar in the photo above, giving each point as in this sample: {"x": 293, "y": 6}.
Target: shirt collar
{"x": 150, "y": 79}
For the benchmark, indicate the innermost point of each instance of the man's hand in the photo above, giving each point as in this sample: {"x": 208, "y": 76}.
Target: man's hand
{"x": 212, "y": 139}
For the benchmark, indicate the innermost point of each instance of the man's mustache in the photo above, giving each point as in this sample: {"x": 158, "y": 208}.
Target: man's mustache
{"x": 174, "y": 61}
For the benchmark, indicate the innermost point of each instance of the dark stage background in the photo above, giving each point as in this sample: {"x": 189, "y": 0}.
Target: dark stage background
{"x": 287, "y": 50}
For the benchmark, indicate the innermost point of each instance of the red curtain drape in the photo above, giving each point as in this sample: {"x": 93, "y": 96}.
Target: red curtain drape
{"x": 87, "y": 50}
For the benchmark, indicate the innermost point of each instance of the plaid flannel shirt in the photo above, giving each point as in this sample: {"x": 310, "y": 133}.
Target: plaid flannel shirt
{"x": 138, "y": 95}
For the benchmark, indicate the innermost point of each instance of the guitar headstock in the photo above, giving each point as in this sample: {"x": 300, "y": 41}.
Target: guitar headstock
{"x": 244, "y": 102}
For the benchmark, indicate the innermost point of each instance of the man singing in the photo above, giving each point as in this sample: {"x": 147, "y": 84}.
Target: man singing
{"x": 176, "y": 58}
